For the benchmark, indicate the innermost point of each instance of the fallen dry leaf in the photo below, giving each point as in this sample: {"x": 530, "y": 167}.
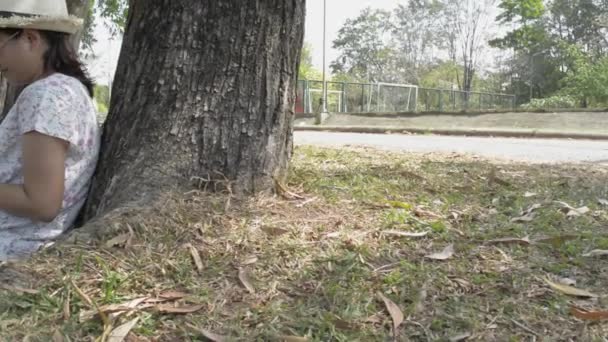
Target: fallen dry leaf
{"x": 342, "y": 324}
{"x": 115, "y": 309}
{"x": 58, "y": 336}
{"x": 274, "y": 231}
{"x": 525, "y": 218}
{"x": 394, "y": 311}
{"x": 523, "y": 242}
{"x": 492, "y": 178}
{"x": 603, "y": 202}
{"x": 184, "y": 309}
{"x": 578, "y": 212}
{"x": 172, "y": 295}
{"x": 249, "y": 261}
{"x": 212, "y": 336}
{"x": 567, "y": 281}
{"x": 571, "y": 211}
{"x": 588, "y": 315}
{"x": 596, "y": 253}
{"x": 569, "y": 290}
{"x": 530, "y": 194}
{"x": 374, "y": 319}
{"x": 446, "y": 254}
{"x": 293, "y": 339}
{"x": 556, "y": 241}
{"x": 461, "y": 337}
{"x": 120, "y": 333}
{"x": 426, "y": 213}
{"x": 120, "y": 240}
{"x": 244, "y": 278}
{"x": 528, "y": 214}
{"x": 66, "y": 312}
{"x": 404, "y": 234}
{"x": 196, "y": 257}
{"x": 285, "y": 193}
{"x": 18, "y": 289}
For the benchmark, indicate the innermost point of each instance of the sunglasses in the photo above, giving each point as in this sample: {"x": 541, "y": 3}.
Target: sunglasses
{"x": 8, "y": 40}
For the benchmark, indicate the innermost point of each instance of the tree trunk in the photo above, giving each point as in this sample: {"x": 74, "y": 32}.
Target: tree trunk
{"x": 204, "y": 92}
{"x": 8, "y": 93}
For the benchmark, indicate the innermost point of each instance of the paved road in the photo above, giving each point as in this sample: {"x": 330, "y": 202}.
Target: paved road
{"x": 532, "y": 150}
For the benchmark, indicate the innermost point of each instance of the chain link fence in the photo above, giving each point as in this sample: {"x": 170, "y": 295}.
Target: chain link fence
{"x": 347, "y": 97}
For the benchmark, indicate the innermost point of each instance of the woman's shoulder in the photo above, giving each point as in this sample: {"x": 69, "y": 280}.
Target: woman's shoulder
{"x": 56, "y": 83}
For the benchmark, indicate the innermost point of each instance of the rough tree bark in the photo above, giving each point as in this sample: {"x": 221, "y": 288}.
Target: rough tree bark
{"x": 8, "y": 93}
{"x": 204, "y": 90}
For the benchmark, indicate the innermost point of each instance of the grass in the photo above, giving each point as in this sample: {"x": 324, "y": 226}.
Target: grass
{"x": 317, "y": 264}
{"x": 581, "y": 122}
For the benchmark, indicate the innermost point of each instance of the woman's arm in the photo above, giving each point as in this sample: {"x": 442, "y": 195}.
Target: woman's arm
{"x": 41, "y": 196}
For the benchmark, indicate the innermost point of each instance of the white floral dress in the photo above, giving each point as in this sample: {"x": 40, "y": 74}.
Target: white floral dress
{"x": 58, "y": 106}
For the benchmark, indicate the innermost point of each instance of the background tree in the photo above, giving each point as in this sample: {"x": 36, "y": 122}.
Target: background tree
{"x": 415, "y": 33}
{"x": 366, "y": 50}
{"x": 468, "y": 19}
{"x": 217, "y": 108}
{"x": 307, "y": 70}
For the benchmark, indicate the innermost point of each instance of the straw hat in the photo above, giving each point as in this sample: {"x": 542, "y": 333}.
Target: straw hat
{"x": 48, "y": 15}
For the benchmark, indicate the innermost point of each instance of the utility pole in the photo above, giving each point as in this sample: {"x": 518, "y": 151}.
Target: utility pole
{"x": 323, "y": 113}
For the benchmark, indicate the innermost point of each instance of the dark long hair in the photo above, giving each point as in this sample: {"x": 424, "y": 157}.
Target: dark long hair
{"x": 61, "y": 57}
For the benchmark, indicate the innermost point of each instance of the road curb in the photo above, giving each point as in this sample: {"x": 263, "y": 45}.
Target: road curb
{"x": 458, "y": 132}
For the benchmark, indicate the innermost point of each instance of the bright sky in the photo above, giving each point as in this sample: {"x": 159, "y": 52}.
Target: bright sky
{"x": 338, "y": 11}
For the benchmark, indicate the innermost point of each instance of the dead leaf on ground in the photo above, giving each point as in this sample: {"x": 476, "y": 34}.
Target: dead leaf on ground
{"x": 196, "y": 257}
{"x": 462, "y": 283}
{"x": 530, "y": 194}
{"x": 285, "y": 193}
{"x": 120, "y": 240}
{"x": 571, "y": 211}
{"x": 404, "y": 234}
{"x": 376, "y": 318}
{"x": 394, "y": 311}
{"x": 446, "y": 254}
{"x": 493, "y": 178}
{"x": 461, "y": 337}
{"x": 183, "y": 309}
{"x": 567, "y": 281}
{"x": 18, "y": 289}
{"x": 293, "y": 339}
{"x": 569, "y": 290}
{"x": 58, "y": 336}
{"x": 556, "y": 241}
{"x": 596, "y": 253}
{"x": 527, "y": 215}
{"x": 588, "y": 315}
{"x": 522, "y": 219}
{"x": 516, "y": 241}
{"x": 213, "y": 337}
{"x": 245, "y": 281}
{"x": 602, "y": 201}
{"x": 172, "y": 295}
{"x": 342, "y": 324}
{"x": 115, "y": 309}
{"x": 120, "y": 333}
{"x": 249, "y": 260}
{"x": 426, "y": 213}
{"x": 274, "y": 231}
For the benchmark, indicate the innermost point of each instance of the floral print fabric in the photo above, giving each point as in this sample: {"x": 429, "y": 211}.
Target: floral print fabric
{"x": 58, "y": 106}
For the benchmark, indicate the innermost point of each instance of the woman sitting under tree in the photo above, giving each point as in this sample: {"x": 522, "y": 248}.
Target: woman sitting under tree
{"x": 49, "y": 140}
